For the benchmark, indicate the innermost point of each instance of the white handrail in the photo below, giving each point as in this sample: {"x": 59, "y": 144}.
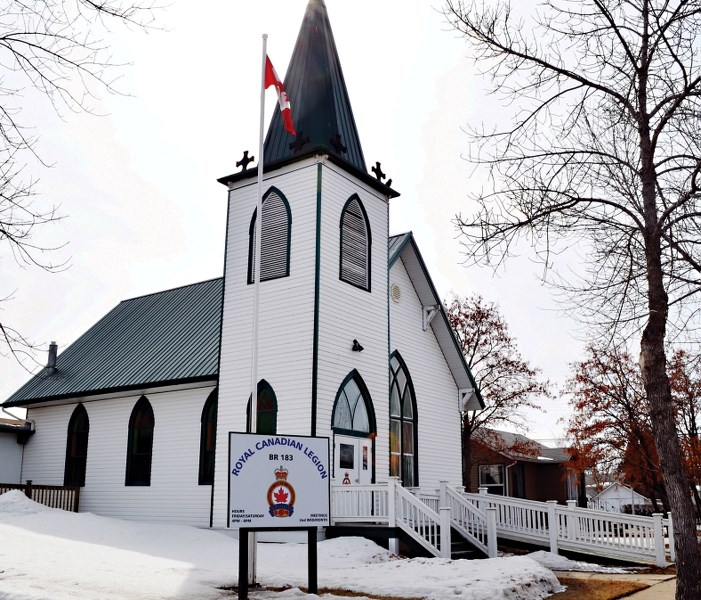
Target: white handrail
{"x": 422, "y": 523}
{"x": 477, "y": 526}
{"x": 602, "y": 533}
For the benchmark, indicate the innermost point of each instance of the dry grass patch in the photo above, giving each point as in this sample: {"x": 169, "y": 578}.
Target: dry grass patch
{"x": 334, "y": 591}
{"x": 597, "y": 589}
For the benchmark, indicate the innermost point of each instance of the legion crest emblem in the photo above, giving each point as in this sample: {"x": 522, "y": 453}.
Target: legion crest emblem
{"x": 281, "y": 495}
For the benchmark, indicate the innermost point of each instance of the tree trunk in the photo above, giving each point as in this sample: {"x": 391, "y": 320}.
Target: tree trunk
{"x": 466, "y": 455}
{"x": 659, "y": 395}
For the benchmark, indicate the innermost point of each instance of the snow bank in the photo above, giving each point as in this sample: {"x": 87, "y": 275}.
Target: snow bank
{"x": 560, "y": 563}
{"x": 53, "y": 554}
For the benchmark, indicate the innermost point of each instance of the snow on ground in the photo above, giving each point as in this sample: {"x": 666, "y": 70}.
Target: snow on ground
{"x": 556, "y": 562}
{"x": 52, "y": 554}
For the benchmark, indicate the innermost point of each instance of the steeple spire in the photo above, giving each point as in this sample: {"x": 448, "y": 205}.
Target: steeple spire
{"x": 321, "y": 107}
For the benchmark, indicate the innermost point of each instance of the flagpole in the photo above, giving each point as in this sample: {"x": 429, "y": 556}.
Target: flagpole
{"x": 252, "y": 558}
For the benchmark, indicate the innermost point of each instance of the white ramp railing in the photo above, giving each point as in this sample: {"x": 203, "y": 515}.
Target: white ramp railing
{"x": 601, "y": 533}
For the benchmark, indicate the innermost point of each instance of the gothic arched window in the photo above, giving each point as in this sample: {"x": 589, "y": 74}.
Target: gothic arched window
{"x": 208, "y": 439}
{"x": 140, "y": 443}
{"x": 355, "y": 244}
{"x": 77, "y": 447}
{"x": 352, "y": 411}
{"x": 266, "y": 417}
{"x": 403, "y": 437}
{"x": 276, "y": 236}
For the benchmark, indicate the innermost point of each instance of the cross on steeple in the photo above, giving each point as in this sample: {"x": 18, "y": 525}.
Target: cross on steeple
{"x": 299, "y": 142}
{"x": 245, "y": 160}
{"x": 337, "y": 145}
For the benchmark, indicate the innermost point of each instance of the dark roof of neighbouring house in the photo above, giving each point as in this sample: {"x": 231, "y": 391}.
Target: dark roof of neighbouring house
{"x": 320, "y": 106}
{"x": 14, "y": 426}
{"x": 159, "y": 339}
{"x": 503, "y": 442}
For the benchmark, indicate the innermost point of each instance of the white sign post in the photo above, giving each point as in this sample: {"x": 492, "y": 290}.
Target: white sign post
{"x": 278, "y": 482}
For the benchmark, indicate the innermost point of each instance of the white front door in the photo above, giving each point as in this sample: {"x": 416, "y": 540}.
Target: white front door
{"x": 352, "y": 460}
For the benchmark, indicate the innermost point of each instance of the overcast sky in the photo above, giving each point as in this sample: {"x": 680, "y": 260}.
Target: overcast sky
{"x": 138, "y": 184}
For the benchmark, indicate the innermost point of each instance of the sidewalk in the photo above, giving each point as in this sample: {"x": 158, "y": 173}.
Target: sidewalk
{"x": 660, "y": 591}
{"x": 662, "y": 587}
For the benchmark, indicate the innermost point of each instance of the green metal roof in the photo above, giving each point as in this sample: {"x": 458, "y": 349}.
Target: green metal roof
{"x": 396, "y": 245}
{"x": 163, "y": 338}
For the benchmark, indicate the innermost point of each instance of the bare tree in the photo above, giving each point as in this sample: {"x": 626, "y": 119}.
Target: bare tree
{"x": 53, "y": 47}
{"x": 603, "y": 153}
{"x": 509, "y": 385}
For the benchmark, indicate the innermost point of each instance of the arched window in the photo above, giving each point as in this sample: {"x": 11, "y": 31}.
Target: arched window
{"x": 403, "y": 437}
{"x": 352, "y": 411}
{"x": 276, "y": 231}
{"x": 266, "y": 418}
{"x": 77, "y": 447}
{"x": 355, "y": 244}
{"x": 208, "y": 439}
{"x": 140, "y": 443}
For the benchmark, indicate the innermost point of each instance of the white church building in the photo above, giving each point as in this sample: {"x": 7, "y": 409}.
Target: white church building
{"x": 354, "y": 344}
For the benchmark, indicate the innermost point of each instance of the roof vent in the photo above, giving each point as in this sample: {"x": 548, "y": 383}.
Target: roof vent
{"x": 395, "y": 292}
{"x": 51, "y": 364}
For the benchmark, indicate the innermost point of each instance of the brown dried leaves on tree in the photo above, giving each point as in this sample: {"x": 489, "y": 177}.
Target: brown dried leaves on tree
{"x": 508, "y": 384}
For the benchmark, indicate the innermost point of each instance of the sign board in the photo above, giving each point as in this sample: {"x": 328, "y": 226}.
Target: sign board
{"x": 278, "y": 481}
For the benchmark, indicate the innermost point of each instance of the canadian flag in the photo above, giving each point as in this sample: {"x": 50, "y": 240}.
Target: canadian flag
{"x": 271, "y": 78}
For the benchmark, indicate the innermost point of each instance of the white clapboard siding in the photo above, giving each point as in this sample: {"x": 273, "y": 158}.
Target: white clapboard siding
{"x": 348, "y": 312}
{"x": 174, "y": 494}
{"x": 10, "y": 458}
{"x": 436, "y": 392}
{"x": 286, "y": 321}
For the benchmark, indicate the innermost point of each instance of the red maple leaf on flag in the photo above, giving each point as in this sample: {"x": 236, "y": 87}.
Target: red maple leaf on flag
{"x": 281, "y": 495}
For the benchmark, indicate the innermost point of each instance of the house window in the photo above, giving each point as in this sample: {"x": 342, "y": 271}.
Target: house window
{"x": 352, "y": 410}
{"x": 140, "y": 443}
{"x": 266, "y": 417}
{"x": 355, "y": 244}
{"x": 492, "y": 477}
{"x": 402, "y": 424}
{"x": 276, "y": 230}
{"x": 208, "y": 439}
{"x": 77, "y": 447}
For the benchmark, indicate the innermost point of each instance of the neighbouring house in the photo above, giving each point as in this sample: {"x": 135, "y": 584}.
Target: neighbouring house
{"x": 617, "y": 496}
{"x": 510, "y": 464}
{"x": 14, "y": 433}
{"x": 354, "y": 344}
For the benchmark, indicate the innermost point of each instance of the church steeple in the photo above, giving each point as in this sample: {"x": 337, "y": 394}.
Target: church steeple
{"x": 321, "y": 107}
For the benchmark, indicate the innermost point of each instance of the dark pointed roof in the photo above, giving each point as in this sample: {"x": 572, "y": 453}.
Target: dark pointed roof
{"x": 321, "y": 108}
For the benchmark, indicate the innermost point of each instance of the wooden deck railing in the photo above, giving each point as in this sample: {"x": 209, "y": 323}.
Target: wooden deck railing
{"x": 53, "y": 496}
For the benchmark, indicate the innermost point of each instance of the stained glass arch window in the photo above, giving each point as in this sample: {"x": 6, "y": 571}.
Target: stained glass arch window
{"x": 403, "y": 435}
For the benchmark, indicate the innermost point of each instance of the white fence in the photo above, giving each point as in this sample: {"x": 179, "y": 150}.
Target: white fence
{"x": 601, "y": 533}
{"x": 480, "y": 518}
